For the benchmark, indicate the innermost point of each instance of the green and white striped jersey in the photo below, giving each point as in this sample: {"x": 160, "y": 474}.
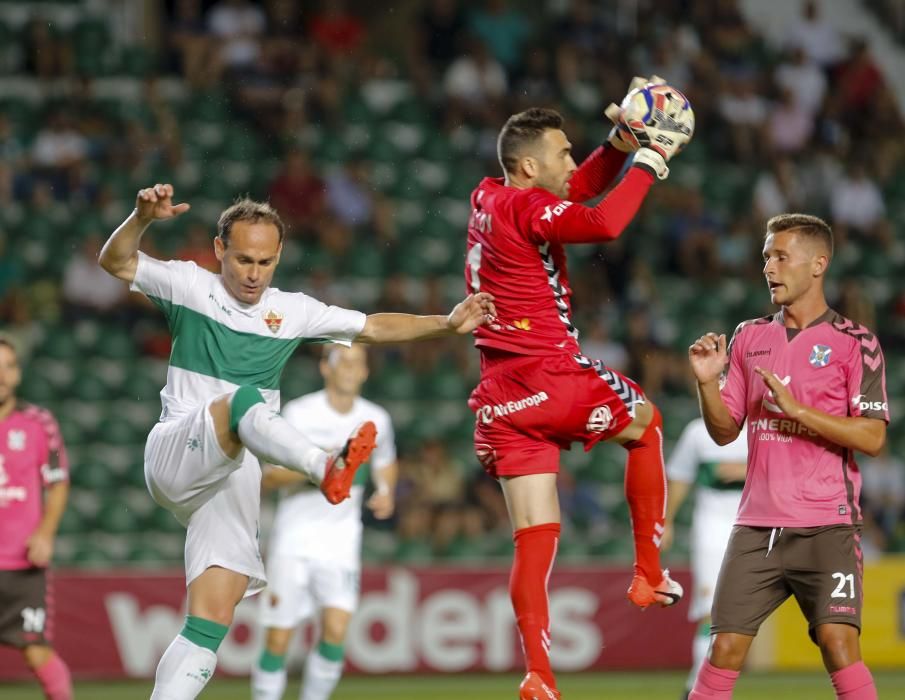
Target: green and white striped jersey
{"x": 219, "y": 343}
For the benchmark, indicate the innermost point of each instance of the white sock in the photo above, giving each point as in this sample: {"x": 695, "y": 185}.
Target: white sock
{"x": 183, "y": 671}
{"x": 272, "y": 439}
{"x": 267, "y": 685}
{"x": 699, "y": 648}
{"x": 321, "y": 677}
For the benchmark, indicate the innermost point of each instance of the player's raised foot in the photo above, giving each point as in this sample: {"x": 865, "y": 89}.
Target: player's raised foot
{"x": 667, "y": 592}
{"x": 533, "y": 688}
{"x": 341, "y": 467}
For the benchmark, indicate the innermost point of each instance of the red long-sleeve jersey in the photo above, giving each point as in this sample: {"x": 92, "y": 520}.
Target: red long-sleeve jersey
{"x": 515, "y": 250}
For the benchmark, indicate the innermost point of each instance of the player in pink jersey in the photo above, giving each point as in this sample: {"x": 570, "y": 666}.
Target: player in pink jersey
{"x": 34, "y": 485}
{"x": 809, "y": 388}
{"x": 538, "y": 393}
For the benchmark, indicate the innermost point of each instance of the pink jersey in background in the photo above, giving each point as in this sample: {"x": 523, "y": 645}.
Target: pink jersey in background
{"x": 32, "y": 456}
{"x": 795, "y": 478}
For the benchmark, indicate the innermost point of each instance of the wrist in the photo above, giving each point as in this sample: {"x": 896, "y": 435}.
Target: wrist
{"x": 141, "y": 221}
{"x": 648, "y": 159}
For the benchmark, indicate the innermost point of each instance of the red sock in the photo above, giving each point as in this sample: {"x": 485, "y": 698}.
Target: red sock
{"x": 854, "y": 683}
{"x": 714, "y": 683}
{"x": 645, "y": 491}
{"x": 55, "y": 679}
{"x": 535, "y": 550}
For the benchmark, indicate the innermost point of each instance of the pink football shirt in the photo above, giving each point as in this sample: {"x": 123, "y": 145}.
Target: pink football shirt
{"x": 795, "y": 478}
{"x": 32, "y": 456}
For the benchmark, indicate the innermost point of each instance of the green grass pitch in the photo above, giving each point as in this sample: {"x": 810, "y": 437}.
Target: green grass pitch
{"x": 585, "y": 686}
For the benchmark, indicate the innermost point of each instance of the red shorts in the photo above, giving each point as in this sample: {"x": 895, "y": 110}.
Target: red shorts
{"x": 527, "y": 410}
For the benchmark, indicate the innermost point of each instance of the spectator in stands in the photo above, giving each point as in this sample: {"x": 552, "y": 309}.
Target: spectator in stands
{"x": 475, "y": 78}
{"x": 789, "y": 126}
{"x": 857, "y": 207}
{"x": 778, "y": 189}
{"x": 804, "y": 79}
{"x": 198, "y": 247}
{"x": 883, "y": 493}
{"x": 503, "y": 30}
{"x": 46, "y": 54}
{"x": 819, "y": 39}
{"x": 857, "y": 87}
{"x": 298, "y": 193}
{"x": 438, "y": 34}
{"x": 745, "y": 111}
{"x": 336, "y": 30}
{"x": 237, "y": 27}
{"x": 57, "y": 147}
{"x": 188, "y": 43}
{"x": 354, "y": 203}
{"x": 85, "y": 291}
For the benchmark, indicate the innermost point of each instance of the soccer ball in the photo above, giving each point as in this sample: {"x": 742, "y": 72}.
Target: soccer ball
{"x": 658, "y": 117}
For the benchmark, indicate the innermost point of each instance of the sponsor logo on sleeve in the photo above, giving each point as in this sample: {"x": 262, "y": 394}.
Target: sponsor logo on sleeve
{"x": 550, "y": 212}
{"x": 862, "y": 405}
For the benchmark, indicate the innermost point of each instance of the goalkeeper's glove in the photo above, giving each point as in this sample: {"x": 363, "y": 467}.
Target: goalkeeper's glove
{"x": 653, "y": 160}
{"x": 614, "y": 111}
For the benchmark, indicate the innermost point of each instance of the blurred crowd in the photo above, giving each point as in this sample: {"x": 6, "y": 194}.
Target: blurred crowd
{"x": 803, "y": 121}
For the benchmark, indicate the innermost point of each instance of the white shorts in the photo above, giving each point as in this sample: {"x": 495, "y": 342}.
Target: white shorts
{"x": 297, "y": 589}
{"x": 218, "y": 499}
{"x": 709, "y": 538}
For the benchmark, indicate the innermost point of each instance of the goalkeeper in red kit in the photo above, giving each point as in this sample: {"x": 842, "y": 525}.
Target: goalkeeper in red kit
{"x": 538, "y": 393}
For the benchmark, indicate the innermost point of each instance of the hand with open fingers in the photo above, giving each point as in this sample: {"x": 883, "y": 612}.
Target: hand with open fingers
{"x": 153, "y": 203}
{"x": 707, "y": 356}
{"x": 476, "y": 310}
{"x": 782, "y": 397}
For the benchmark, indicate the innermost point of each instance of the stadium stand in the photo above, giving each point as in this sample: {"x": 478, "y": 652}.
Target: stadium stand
{"x": 371, "y": 122}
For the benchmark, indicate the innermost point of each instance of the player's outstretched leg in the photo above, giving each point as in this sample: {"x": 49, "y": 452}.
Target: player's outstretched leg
{"x": 645, "y": 491}
{"x": 341, "y": 467}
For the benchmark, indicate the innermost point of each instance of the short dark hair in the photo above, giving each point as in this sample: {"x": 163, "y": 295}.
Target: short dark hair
{"x": 812, "y": 227}
{"x": 522, "y": 129}
{"x": 245, "y": 209}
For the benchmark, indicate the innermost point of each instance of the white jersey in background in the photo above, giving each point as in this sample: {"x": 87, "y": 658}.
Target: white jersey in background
{"x": 306, "y": 526}
{"x": 696, "y": 460}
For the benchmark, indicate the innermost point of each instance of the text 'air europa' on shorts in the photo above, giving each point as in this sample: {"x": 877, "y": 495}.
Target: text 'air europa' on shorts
{"x": 531, "y": 409}
{"x": 821, "y": 566}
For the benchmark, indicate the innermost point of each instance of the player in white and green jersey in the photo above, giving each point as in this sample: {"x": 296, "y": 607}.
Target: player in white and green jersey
{"x": 718, "y": 475}
{"x": 314, "y": 553}
{"x": 232, "y": 336}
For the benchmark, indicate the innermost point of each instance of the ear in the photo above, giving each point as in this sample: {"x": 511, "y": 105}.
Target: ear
{"x": 219, "y": 248}
{"x": 821, "y": 263}
{"x": 529, "y": 166}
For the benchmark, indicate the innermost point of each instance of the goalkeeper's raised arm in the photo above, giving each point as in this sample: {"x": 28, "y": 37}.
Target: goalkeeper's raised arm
{"x": 119, "y": 256}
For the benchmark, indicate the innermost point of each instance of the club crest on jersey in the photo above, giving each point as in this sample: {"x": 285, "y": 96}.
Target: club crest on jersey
{"x": 15, "y": 440}
{"x": 820, "y": 355}
{"x": 273, "y": 319}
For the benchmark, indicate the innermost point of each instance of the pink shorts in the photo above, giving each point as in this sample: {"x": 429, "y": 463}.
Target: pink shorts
{"x": 528, "y": 409}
